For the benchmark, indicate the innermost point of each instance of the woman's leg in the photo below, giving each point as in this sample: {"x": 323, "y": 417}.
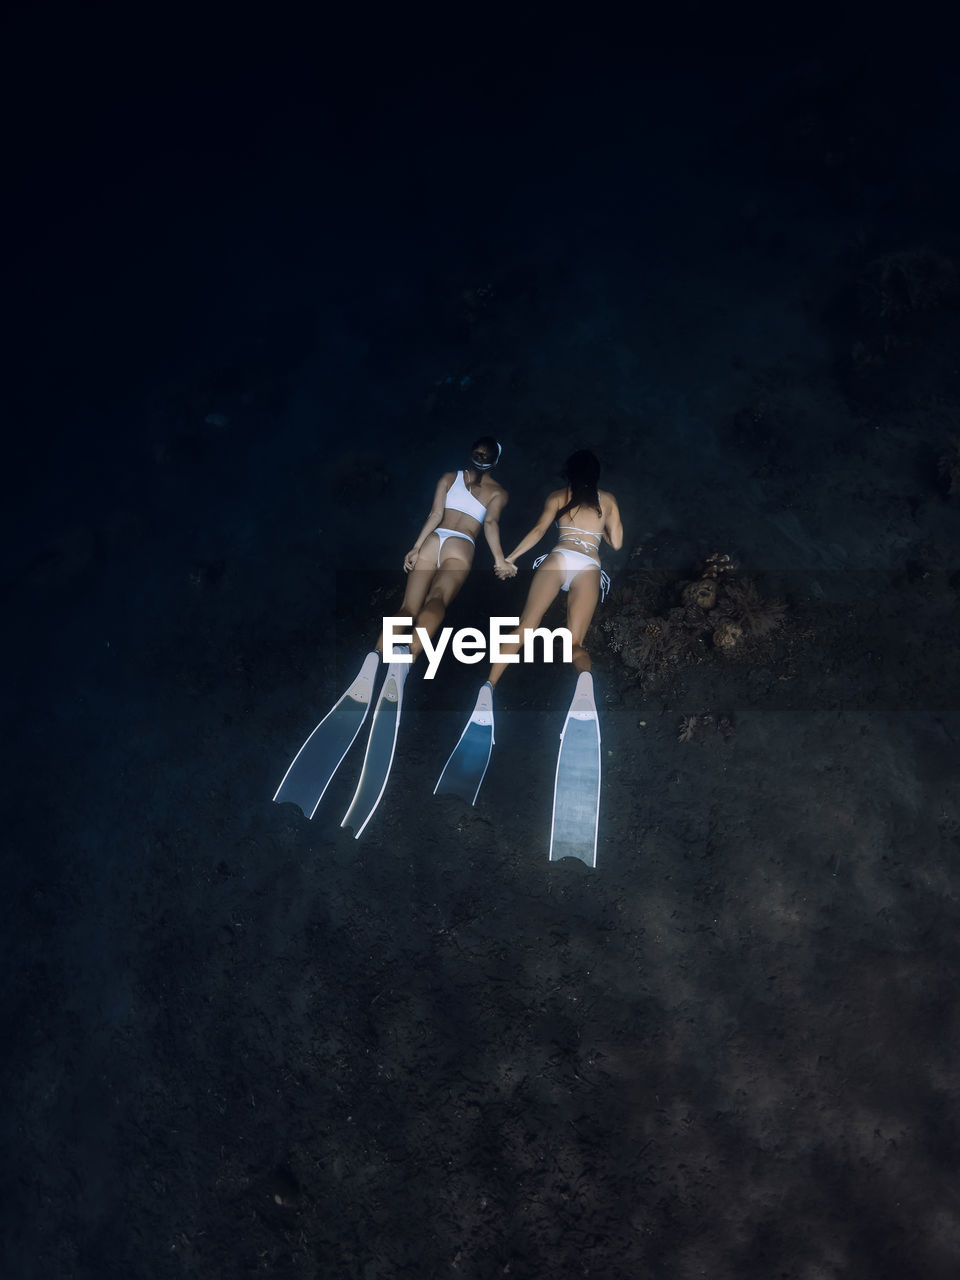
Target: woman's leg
{"x": 584, "y": 594}
{"x": 418, "y": 582}
{"x": 456, "y": 560}
{"x": 544, "y": 588}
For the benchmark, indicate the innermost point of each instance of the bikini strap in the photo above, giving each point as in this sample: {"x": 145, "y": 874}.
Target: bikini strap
{"x": 573, "y": 529}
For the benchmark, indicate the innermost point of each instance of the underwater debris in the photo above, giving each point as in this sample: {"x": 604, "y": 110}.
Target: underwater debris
{"x": 717, "y": 612}
{"x": 692, "y": 726}
{"x": 696, "y": 726}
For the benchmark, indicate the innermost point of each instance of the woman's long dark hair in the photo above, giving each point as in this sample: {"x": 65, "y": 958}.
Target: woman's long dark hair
{"x": 581, "y": 472}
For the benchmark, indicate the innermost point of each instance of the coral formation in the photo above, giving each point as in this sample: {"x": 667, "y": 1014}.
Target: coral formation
{"x": 728, "y": 635}
{"x": 755, "y": 615}
{"x": 702, "y": 593}
{"x": 717, "y": 611}
{"x": 718, "y": 565}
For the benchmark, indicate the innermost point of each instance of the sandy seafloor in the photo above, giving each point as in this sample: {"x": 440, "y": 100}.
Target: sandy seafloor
{"x": 237, "y": 1042}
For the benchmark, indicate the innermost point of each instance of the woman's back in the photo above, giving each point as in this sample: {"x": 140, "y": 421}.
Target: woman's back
{"x": 584, "y": 518}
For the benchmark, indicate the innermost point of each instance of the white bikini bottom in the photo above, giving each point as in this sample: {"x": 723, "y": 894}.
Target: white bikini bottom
{"x": 444, "y": 534}
{"x": 575, "y": 562}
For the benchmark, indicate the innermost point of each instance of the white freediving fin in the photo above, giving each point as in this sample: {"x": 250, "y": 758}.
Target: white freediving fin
{"x": 312, "y": 768}
{"x": 464, "y": 772}
{"x": 381, "y": 746}
{"x": 576, "y": 792}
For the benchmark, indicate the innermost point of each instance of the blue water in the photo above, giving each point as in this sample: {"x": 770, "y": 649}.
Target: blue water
{"x": 240, "y": 356}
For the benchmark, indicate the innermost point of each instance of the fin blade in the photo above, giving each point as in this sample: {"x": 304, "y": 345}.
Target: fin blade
{"x": 576, "y": 794}
{"x": 378, "y": 759}
{"x": 313, "y": 767}
{"x": 466, "y": 768}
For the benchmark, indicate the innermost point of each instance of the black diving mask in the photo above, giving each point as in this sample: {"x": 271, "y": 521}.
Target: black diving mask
{"x": 485, "y": 466}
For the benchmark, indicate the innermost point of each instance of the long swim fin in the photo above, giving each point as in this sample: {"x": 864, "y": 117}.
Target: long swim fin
{"x": 381, "y": 745}
{"x": 464, "y": 771}
{"x": 576, "y": 793}
{"x": 314, "y": 765}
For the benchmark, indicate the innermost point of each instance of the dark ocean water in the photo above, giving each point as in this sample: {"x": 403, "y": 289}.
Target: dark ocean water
{"x": 261, "y": 295}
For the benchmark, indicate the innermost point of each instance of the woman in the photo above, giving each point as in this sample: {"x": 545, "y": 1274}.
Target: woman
{"x": 440, "y": 560}
{"x": 437, "y": 566}
{"x": 585, "y": 516}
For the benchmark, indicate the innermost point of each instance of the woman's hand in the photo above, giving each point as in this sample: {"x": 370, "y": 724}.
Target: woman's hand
{"x": 505, "y": 570}
{"x": 410, "y": 559}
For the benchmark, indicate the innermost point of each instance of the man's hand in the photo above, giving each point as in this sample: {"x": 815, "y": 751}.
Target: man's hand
{"x": 505, "y": 570}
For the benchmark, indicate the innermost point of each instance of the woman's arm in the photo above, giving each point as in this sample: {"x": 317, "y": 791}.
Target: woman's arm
{"x": 547, "y": 517}
{"x": 613, "y": 526}
{"x": 433, "y": 519}
{"x": 491, "y": 526}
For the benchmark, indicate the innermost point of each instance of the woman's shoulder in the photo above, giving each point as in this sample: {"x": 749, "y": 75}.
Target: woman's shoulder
{"x": 606, "y": 497}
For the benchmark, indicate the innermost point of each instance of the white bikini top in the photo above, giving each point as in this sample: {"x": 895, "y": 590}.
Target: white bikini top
{"x": 459, "y": 498}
